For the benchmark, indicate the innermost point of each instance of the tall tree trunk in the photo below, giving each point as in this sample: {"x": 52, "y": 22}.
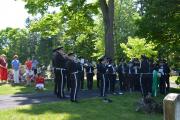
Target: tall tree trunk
{"x": 108, "y": 18}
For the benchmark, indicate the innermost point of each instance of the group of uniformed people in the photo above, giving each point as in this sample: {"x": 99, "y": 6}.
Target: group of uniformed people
{"x": 136, "y": 75}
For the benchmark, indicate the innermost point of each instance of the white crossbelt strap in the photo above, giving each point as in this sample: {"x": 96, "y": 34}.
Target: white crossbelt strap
{"x": 103, "y": 85}
{"x": 62, "y": 77}
{"x": 141, "y": 83}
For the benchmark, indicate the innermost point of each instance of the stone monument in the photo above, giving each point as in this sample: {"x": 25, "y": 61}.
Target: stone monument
{"x": 171, "y": 107}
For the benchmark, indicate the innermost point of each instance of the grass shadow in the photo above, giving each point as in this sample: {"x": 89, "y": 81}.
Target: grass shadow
{"x": 23, "y": 89}
{"x": 122, "y": 108}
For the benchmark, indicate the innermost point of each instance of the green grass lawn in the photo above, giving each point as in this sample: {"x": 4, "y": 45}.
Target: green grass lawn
{"x": 122, "y": 108}
{"x": 22, "y": 89}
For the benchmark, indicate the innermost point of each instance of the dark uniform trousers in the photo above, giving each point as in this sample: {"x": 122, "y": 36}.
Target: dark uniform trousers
{"x": 103, "y": 82}
{"x": 136, "y": 78}
{"x": 112, "y": 78}
{"x": 56, "y": 77}
{"x": 75, "y": 85}
{"x": 60, "y": 80}
{"x": 90, "y": 80}
{"x": 146, "y": 83}
{"x": 130, "y": 82}
{"x": 68, "y": 81}
{"x": 81, "y": 75}
{"x": 98, "y": 79}
{"x": 167, "y": 82}
{"x": 107, "y": 82}
{"x": 122, "y": 81}
{"x": 162, "y": 84}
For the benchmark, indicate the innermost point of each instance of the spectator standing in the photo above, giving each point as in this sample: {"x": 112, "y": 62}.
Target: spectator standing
{"x": 15, "y": 66}
{"x": 34, "y": 65}
{"x": 4, "y": 65}
{"x": 29, "y": 73}
{"x": 1, "y": 68}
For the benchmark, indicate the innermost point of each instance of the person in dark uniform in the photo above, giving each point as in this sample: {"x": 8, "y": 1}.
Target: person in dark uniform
{"x": 68, "y": 81}
{"x": 167, "y": 75}
{"x": 122, "y": 68}
{"x": 111, "y": 69}
{"x": 136, "y": 75}
{"x": 162, "y": 83}
{"x": 151, "y": 65}
{"x": 97, "y": 73}
{"x": 103, "y": 79}
{"x": 72, "y": 68}
{"x": 58, "y": 62}
{"x": 81, "y": 73}
{"x": 130, "y": 77}
{"x": 151, "y": 69}
{"x": 145, "y": 82}
{"x": 89, "y": 74}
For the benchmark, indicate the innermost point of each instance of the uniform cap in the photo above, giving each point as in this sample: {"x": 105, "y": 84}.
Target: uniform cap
{"x": 70, "y": 54}
{"x": 58, "y": 48}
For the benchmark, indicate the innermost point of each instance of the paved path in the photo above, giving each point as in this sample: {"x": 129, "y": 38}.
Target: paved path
{"x": 12, "y": 101}
{"x": 173, "y": 85}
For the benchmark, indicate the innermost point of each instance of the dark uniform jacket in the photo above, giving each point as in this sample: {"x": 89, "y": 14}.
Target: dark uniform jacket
{"x": 89, "y": 69}
{"x": 102, "y": 69}
{"x": 166, "y": 69}
{"x": 58, "y": 61}
{"x": 122, "y": 68}
{"x": 144, "y": 66}
{"x": 72, "y": 66}
{"x": 111, "y": 69}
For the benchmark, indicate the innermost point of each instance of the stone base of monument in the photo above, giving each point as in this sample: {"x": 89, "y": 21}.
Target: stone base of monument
{"x": 171, "y": 107}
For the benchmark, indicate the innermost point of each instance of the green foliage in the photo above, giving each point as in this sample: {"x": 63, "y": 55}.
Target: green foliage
{"x": 178, "y": 81}
{"x": 47, "y": 26}
{"x": 125, "y": 23}
{"x": 99, "y": 41}
{"x": 14, "y": 41}
{"x": 40, "y": 6}
{"x": 136, "y": 47}
{"x": 85, "y": 46}
{"x": 8, "y": 89}
{"x": 99, "y": 49}
{"x": 160, "y": 23}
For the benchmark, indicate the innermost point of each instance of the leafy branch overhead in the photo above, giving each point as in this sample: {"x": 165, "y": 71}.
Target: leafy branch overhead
{"x": 136, "y": 47}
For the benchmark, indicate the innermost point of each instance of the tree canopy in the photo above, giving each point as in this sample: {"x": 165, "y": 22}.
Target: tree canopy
{"x": 136, "y": 47}
{"x": 160, "y": 23}
{"x": 115, "y": 28}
